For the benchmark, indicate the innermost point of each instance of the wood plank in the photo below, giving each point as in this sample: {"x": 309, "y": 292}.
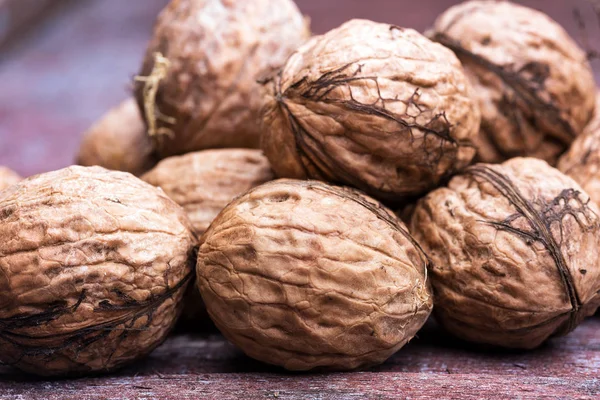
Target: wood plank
{"x": 366, "y": 385}
{"x": 435, "y": 364}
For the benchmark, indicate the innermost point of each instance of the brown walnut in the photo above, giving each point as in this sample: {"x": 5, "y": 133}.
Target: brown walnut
{"x": 534, "y": 85}
{"x": 514, "y": 250}
{"x": 582, "y": 161}
{"x": 204, "y": 182}
{"x": 118, "y": 142}
{"x": 93, "y": 266}
{"x": 306, "y": 275}
{"x": 371, "y": 105}
{"x": 8, "y": 177}
{"x": 203, "y": 63}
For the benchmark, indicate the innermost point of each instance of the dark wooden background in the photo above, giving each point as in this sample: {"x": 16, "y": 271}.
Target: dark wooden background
{"x": 65, "y": 72}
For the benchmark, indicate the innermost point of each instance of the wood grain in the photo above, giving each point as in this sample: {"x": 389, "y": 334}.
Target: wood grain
{"x": 433, "y": 366}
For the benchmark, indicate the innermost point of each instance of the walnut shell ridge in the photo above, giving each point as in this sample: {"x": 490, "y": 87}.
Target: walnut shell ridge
{"x": 217, "y": 50}
{"x": 514, "y": 252}
{"x": 582, "y": 161}
{"x": 8, "y": 177}
{"x": 204, "y": 182}
{"x": 306, "y": 275}
{"x": 370, "y": 105}
{"x": 93, "y": 267}
{"x": 534, "y": 85}
{"x": 118, "y": 141}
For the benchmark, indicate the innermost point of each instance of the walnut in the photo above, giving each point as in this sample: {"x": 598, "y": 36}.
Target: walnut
{"x": 534, "y": 85}
{"x": 203, "y": 183}
{"x": 93, "y": 266}
{"x": 305, "y": 275}
{"x": 8, "y": 178}
{"x": 119, "y": 142}
{"x": 371, "y": 105}
{"x": 514, "y": 250}
{"x": 582, "y": 161}
{"x": 197, "y": 86}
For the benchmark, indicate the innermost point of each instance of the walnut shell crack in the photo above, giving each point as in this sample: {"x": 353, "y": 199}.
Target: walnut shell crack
{"x": 514, "y": 250}
{"x": 534, "y": 85}
{"x": 306, "y": 275}
{"x": 93, "y": 267}
{"x": 370, "y": 105}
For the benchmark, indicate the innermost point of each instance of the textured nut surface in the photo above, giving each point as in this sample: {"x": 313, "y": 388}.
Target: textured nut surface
{"x": 8, "y": 177}
{"x": 217, "y": 50}
{"x": 306, "y": 275}
{"x": 204, "y": 182}
{"x": 514, "y": 250}
{"x": 374, "y": 106}
{"x": 582, "y": 161}
{"x": 534, "y": 85}
{"x": 93, "y": 265}
{"x": 118, "y": 141}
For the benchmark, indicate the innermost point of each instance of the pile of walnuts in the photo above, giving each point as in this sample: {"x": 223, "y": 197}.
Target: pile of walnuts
{"x": 293, "y": 250}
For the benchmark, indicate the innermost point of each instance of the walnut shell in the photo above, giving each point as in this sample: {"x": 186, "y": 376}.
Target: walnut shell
{"x": 215, "y": 51}
{"x": 118, "y": 141}
{"x": 8, "y": 178}
{"x": 371, "y": 105}
{"x": 514, "y": 250}
{"x": 203, "y": 183}
{"x": 93, "y": 266}
{"x": 305, "y": 275}
{"x": 534, "y": 85}
{"x": 582, "y": 161}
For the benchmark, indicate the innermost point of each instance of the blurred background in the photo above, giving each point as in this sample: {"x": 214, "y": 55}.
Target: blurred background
{"x": 64, "y": 63}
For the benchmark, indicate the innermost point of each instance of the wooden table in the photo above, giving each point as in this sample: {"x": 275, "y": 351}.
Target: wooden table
{"x": 434, "y": 365}
{"x": 58, "y": 81}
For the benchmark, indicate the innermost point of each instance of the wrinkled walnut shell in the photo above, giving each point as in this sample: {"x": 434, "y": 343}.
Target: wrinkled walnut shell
{"x": 534, "y": 85}
{"x": 8, "y": 177}
{"x": 118, "y": 141}
{"x": 305, "y": 275}
{"x": 374, "y": 106}
{"x": 203, "y": 183}
{"x": 215, "y": 52}
{"x": 582, "y": 161}
{"x": 93, "y": 266}
{"x": 514, "y": 250}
